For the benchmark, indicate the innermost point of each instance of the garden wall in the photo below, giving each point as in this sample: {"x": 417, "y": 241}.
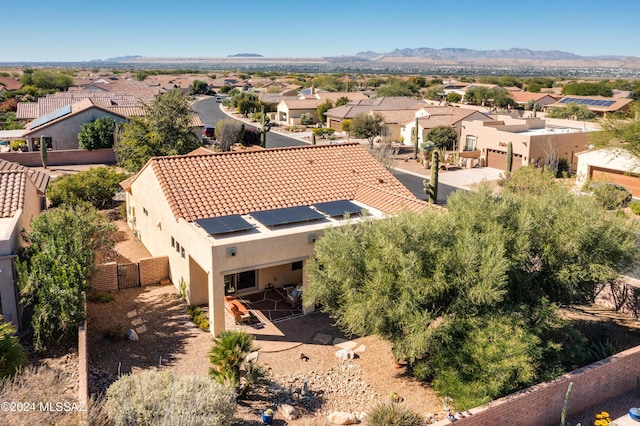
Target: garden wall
{"x": 62, "y": 158}
{"x": 153, "y": 270}
{"x": 105, "y": 277}
{"x": 542, "y": 404}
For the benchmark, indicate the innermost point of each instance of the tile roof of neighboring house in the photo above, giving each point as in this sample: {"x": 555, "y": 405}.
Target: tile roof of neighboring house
{"x": 377, "y": 104}
{"x": 10, "y": 83}
{"x": 12, "y": 191}
{"x": 51, "y": 103}
{"x": 524, "y": 97}
{"x": 39, "y": 179}
{"x": 274, "y": 178}
{"x": 76, "y": 108}
{"x": 302, "y": 103}
{"x": 27, "y": 110}
{"x": 128, "y": 110}
{"x": 334, "y": 96}
{"x": 444, "y": 116}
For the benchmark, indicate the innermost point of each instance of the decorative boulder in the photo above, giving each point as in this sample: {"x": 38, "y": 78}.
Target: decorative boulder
{"x": 343, "y": 418}
{"x": 346, "y": 353}
{"x": 289, "y": 412}
{"x": 132, "y": 335}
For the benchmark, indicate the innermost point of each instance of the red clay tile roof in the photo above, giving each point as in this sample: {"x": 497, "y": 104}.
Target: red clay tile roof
{"x": 10, "y": 83}
{"x": 12, "y": 190}
{"x": 39, "y": 179}
{"x": 202, "y": 186}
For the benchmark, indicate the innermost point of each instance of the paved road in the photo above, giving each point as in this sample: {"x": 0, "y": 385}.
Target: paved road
{"x": 210, "y": 113}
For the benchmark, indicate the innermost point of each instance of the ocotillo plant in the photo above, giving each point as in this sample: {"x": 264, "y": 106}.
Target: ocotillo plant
{"x": 433, "y": 183}
{"x": 415, "y": 135}
{"x": 509, "y": 157}
{"x": 43, "y": 152}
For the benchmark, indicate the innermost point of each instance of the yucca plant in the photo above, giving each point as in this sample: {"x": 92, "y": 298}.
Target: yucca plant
{"x": 392, "y": 414}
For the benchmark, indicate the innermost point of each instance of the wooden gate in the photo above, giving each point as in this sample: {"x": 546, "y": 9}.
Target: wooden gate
{"x": 128, "y": 275}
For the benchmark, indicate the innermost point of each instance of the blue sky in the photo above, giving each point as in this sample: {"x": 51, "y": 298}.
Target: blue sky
{"x": 71, "y": 30}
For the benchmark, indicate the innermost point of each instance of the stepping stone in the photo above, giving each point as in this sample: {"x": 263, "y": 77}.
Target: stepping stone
{"x": 323, "y": 339}
{"x": 136, "y": 322}
{"x": 344, "y": 344}
{"x": 132, "y": 313}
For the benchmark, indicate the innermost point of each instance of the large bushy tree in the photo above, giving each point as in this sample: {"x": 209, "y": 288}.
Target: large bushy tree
{"x": 443, "y": 137}
{"x": 475, "y": 268}
{"x": 99, "y": 133}
{"x": 367, "y": 126}
{"x": 166, "y": 129}
{"x": 228, "y": 133}
{"x": 54, "y": 268}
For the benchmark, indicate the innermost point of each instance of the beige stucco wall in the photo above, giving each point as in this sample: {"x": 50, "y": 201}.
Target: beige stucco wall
{"x": 10, "y": 240}
{"x": 609, "y": 158}
{"x": 64, "y": 134}
{"x": 531, "y": 147}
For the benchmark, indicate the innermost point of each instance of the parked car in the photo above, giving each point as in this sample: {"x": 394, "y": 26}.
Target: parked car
{"x": 208, "y": 131}
{"x": 218, "y": 99}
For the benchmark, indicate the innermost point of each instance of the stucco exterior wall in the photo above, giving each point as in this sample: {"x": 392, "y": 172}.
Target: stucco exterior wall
{"x": 613, "y": 159}
{"x": 64, "y": 133}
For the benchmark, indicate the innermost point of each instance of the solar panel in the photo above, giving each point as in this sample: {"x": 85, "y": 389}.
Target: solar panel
{"x": 60, "y": 112}
{"x": 608, "y": 103}
{"x": 593, "y": 102}
{"x": 338, "y": 208}
{"x": 286, "y": 215}
{"x": 224, "y": 224}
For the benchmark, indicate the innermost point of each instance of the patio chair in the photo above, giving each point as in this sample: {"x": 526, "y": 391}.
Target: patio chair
{"x": 294, "y": 296}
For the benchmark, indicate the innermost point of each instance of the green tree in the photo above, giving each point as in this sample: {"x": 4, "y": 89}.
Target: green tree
{"x": 199, "y": 87}
{"x": 454, "y": 98}
{"x": 619, "y": 132}
{"x": 166, "y": 129}
{"x": 53, "y": 270}
{"x": 345, "y": 126}
{"x": 367, "y": 126}
{"x": 100, "y": 133}
{"x": 12, "y": 356}
{"x": 97, "y": 186}
{"x": 322, "y": 108}
{"x": 342, "y": 100}
{"x": 443, "y": 137}
{"x": 46, "y": 79}
{"x": 572, "y": 112}
{"x": 398, "y": 87}
{"x": 602, "y": 88}
{"x": 228, "y": 133}
{"x": 306, "y": 119}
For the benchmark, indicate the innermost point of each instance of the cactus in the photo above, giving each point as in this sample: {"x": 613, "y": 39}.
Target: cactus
{"x": 509, "y": 157}
{"x": 565, "y": 406}
{"x": 265, "y": 126}
{"x": 433, "y": 182}
{"x": 313, "y": 138}
{"x": 415, "y": 136}
{"x": 43, "y": 152}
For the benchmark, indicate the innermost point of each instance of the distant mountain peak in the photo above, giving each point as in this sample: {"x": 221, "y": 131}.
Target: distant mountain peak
{"x": 245, "y": 55}
{"x": 462, "y": 53}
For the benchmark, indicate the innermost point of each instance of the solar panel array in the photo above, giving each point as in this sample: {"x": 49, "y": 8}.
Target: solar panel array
{"x": 224, "y": 224}
{"x": 60, "y": 112}
{"x": 592, "y": 102}
{"x": 286, "y": 215}
{"x": 338, "y": 208}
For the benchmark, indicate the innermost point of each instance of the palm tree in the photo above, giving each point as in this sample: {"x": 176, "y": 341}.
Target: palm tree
{"x": 230, "y": 365}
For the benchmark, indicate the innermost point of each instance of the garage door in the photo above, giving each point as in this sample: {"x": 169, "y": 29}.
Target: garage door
{"x": 631, "y": 182}
{"x": 498, "y": 160}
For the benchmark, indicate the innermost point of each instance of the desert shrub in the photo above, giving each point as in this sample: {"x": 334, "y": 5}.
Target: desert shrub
{"x": 96, "y": 186}
{"x": 324, "y": 132}
{"x": 199, "y": 318}
{"x": 392, "y": 414}
{"x": 635, "y": 207}
{"x": 158, "y": 398}
{"x": 306, "y": 119}
{"x": 114, "y": 332}
{"x": 100, "y": 296}
{"x": 12, "y": 356}
{"x": 608, "y": 195}
{"x": 251, "y": 136}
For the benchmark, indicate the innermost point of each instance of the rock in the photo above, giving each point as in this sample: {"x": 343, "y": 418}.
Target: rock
{"x": 346, "y": 353}
{"x": 342, "y": 418}
{"x": 132, "y": 335}
{"x": 289, "y": 412}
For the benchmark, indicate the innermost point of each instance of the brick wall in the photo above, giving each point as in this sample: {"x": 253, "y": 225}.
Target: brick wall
{"x": 153, "y": 270}
{"x": 542, "y": 404}
{"x": 61, "y": 158}
{"x": 621, "y": 295}
{"x": 105, "y": 277}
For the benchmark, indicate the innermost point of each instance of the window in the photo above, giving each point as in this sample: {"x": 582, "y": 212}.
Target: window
{"x": 241, "y": 281}
{"x": 178, "y": 247}
{"x": 144, "y": 210}
{"x": 36, "y": 143}
{"x": 296, "y": 266}
{"x": 470, "y": 144}
{"x": 182, "y": 252}
{"x": 173, "y": 242}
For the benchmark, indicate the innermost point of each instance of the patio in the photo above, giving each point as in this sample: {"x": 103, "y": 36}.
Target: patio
{"x": 269, "y": 306}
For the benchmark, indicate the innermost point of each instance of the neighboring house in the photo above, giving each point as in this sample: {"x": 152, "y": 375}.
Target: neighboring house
{"x": 609, "y": 165}
{"x": 431, "y": 117}
{"x": 21, "y": 199}
{"x": 384, "y": 105}
{"x": 60, "y": 128}
{"x": 290, "y": 110}
{"x": 597, "y": 104}
{"x": 533, "y": 140}
{"x": 542, "y": 99}
{"x": 7, "y": 84}
{"x": 240, "y": 222}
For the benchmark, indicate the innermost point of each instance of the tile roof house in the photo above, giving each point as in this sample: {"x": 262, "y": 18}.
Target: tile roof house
{"x": 542, "y": 99}
{"x": 20, "y": 202}
{"x": 239, "y": 222}
{"x": 598, "y": 104}
{"x": 8, "y": 83}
